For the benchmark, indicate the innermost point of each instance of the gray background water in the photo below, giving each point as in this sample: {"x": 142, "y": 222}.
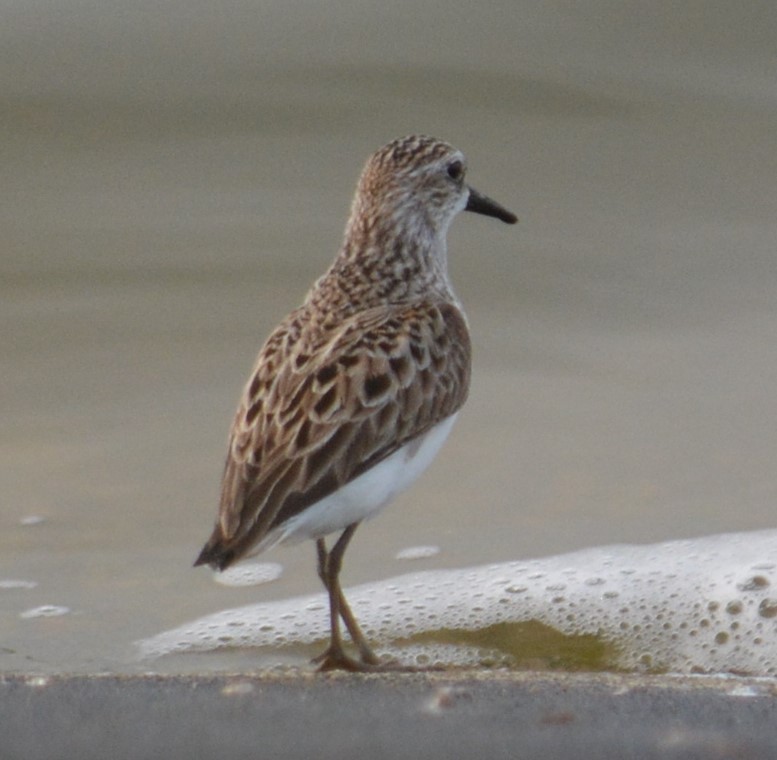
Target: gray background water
{"x": 175, "y": 175}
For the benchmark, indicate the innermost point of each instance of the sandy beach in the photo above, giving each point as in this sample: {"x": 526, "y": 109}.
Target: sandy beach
{"x": 496, "y": 715}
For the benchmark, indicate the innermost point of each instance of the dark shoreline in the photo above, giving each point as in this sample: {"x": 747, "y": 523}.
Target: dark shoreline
{"x": 489, "y": 714}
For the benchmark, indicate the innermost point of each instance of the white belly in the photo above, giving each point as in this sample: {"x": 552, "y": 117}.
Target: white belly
{"x": 366, "y": 495}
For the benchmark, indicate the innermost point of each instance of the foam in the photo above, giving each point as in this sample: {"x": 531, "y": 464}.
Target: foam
{"x": 44, "y": 611}
{"x": 417, "y": 552}
{"x": 9, "y": 583}
{"x": 32, "y": 520}
{"x": 702, "y": 605}
{"x": 249, "y": 574}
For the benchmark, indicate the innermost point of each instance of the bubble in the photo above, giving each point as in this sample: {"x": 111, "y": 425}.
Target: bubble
{"x": 756, "y": 583}
{"x": 768, "y": 608}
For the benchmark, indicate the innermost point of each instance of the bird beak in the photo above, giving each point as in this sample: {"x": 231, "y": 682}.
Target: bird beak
{"x": 482, "y": 204}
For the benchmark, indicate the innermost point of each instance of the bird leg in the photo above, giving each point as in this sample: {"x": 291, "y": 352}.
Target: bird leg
{"x": 334, "y": 656}
{"x": 334, "y": 565}
{"x": 329, "y": 566}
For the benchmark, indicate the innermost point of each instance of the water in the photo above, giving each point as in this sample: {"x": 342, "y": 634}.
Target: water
{"x": 175, "y": 177}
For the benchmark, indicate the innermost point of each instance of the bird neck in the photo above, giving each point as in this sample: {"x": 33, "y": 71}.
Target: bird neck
{"x": 391, "y": 259}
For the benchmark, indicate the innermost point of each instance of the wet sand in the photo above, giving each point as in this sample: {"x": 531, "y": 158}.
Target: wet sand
{"x": 493, "y": 715}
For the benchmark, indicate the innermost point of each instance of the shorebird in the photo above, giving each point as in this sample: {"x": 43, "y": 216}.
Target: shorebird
{"x": 355, "y": 391}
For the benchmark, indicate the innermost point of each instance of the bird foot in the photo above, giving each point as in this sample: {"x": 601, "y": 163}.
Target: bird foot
{"x": 335, "y": 658}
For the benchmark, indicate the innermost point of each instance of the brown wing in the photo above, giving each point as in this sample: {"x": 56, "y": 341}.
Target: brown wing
{"x": 310, "y": 421}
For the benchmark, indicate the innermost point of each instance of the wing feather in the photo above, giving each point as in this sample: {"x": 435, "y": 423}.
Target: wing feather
{"x": 315, "y": 415}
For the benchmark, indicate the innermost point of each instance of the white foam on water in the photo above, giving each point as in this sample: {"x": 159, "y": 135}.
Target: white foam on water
{"x": 417, "y": 552}
{"x": 8, "y": 583}
{"x": 249, "y": 574}
{"x": 32, "y": 520}
{"x": 707, "y": 604}
{"x": 44, "y": 611}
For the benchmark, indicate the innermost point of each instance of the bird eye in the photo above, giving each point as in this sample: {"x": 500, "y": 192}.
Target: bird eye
{"x": 455, "y": 170}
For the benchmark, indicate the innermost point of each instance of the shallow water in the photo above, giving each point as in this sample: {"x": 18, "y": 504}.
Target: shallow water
{"x": 175, "y": 180}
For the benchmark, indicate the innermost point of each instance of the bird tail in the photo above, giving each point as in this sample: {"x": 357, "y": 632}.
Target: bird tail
{"x": 215, "y": 553}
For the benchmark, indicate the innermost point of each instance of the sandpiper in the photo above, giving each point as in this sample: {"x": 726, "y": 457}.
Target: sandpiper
{"x": 354, "y": 393}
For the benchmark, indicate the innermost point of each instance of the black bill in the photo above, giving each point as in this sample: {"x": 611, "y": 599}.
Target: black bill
{"x": 482, "y": 204}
